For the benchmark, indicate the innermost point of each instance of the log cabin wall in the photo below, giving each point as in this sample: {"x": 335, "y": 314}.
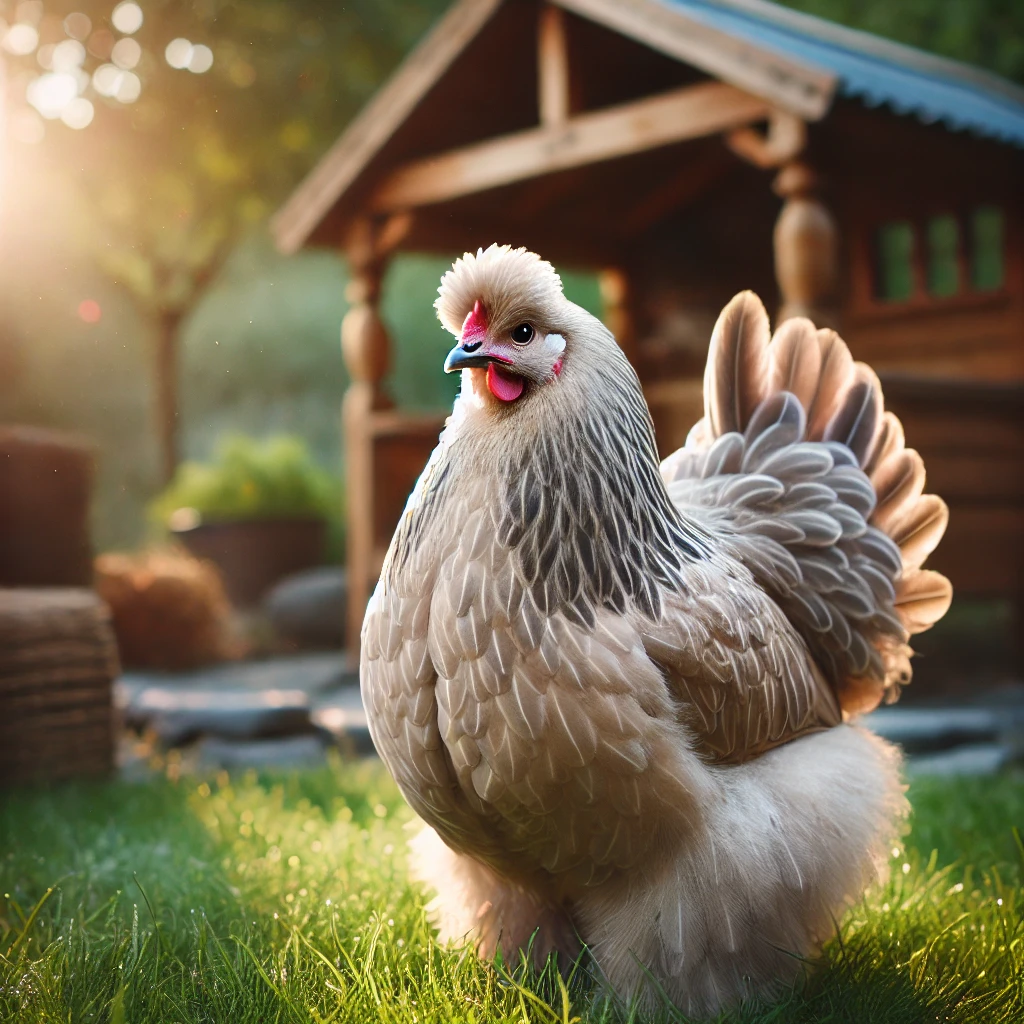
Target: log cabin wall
{"x": 928, "y": 186}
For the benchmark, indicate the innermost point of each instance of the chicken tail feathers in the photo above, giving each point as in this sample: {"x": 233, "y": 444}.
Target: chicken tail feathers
{"x": 807, "y": 479}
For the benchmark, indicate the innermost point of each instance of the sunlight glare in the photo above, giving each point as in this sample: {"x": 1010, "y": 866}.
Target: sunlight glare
{"x": 127, "y": 17}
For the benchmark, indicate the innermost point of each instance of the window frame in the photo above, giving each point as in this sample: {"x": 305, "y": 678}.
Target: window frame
{"x": 864, "y": 302}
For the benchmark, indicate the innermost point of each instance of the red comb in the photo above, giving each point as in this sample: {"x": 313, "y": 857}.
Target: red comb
{"x": 475, "y": 322}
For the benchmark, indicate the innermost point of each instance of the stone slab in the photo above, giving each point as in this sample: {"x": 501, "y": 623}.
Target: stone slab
{"x": 179, "y": 715}
{"x": 970, "y": 759}
{"x": 214, "y": 752}
{"x": 341, "y": 713}
{"x": 312, "y": 673}
{"x": 930, "y": 729}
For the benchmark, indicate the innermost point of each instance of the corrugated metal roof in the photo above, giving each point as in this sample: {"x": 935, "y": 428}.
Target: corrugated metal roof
{"x": 876, "y": 71}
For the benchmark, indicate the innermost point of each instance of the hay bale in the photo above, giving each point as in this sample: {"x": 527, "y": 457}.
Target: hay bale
{"x": 45, "y": 489}
{"x": 58, "y": 661}
{"x": 169, "y": 609}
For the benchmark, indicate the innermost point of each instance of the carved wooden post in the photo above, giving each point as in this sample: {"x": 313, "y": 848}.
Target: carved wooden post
{"x": 365, "y": 347}
{"x": 806, "y": 243}
{"x": 618, "y": 309}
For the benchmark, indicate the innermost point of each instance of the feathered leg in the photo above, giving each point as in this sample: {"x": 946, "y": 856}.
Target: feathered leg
{"x": 472, "y": 902}
{"x": 790, "y": 839}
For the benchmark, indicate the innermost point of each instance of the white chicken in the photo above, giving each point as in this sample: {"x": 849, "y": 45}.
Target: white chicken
{"x": 618, "y": 693}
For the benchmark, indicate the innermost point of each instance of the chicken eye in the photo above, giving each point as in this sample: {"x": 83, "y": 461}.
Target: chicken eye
{"x": 522, "y": 334}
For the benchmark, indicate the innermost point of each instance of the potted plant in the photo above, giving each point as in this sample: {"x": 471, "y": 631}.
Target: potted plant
{"x": 260, "y": 510}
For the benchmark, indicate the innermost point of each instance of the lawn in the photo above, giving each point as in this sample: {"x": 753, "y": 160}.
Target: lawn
{"x": 285, "y": 899}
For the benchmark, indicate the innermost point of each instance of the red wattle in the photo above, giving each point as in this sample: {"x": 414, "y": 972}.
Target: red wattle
{"x": 505, "y": 386}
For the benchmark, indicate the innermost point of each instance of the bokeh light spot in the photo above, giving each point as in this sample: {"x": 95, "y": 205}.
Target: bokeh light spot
{"x": 67, "y": 55}
{"x": 128, "y": 88}
{"x": 21, "y": 39}
{"x": 52, "y": 92}
{"x": 106, "y": 78}
{"x": 126, "y": 53}
{"x": 201, "y": 59}
{"x": 78, "y": 113}
{"x": 242, "y": 73}
{"x": 101, "y": 42}
{"x": 127, "y": 17}
{"x": 178, "y": 53}
{"x": 89, "y": 311}
{"x": 78, "y": 25}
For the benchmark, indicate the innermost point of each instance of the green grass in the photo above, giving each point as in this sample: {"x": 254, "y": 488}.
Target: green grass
{"x": 285, "y": 899}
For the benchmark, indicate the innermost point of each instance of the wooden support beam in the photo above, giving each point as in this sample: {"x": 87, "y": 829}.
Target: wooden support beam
{"x": 676, "y": 116}
{"x": 782, "y": 142}
{"x": 800, "y": 88}
{"x": 552, "y": 67}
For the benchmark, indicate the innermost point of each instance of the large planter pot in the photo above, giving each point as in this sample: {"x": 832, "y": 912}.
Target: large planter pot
{"x": 253, "y": 555}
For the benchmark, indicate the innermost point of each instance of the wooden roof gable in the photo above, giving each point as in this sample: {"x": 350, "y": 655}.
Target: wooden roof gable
{"x": 753, "y": 83}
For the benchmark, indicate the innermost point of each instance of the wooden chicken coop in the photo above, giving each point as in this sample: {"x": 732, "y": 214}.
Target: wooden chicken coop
{"x": 684, "y": 150}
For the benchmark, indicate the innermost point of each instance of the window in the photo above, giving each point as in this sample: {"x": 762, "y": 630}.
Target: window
{"x": 895, "y": 261}
{"x": 942, "y": 256}
{"x": 987, "y": 248}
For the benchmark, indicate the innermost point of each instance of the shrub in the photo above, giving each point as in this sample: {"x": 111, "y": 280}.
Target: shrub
{"x": 274, "y": 478}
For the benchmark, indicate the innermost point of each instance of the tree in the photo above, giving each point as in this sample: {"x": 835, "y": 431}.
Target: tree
{"x": 988, "y": 33}
{"x": 194, "y": 119}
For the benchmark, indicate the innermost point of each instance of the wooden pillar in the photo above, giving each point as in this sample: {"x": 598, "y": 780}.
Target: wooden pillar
{"x": 619, "y": 317}
{"x": 553, "y": 85}
{"x": 365, "y": 346}
{"x": 806, "y": 241}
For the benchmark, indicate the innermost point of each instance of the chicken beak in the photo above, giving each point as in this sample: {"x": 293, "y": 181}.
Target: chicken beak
{"x": 464, "y": 357}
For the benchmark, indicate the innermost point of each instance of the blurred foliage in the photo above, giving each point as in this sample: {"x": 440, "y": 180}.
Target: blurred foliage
{"x": 174, "y": 177}
{"x": 988, "y": 33}
{"x": 273, "y": 478}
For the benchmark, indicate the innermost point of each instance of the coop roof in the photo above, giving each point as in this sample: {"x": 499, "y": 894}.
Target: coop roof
{"x": 877, "y": 71}
{"x": 791, "y": 61}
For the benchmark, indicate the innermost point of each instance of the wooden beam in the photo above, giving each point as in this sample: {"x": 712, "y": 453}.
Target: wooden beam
{"x": 672, "y": 117}
{"x": 784, "y": 141}
{"x": 552, "y": 66}
{"x": 802, "y": 89}
{"x": 311, "y": 202}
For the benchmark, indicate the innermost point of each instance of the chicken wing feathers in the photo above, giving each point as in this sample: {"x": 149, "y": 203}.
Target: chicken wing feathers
{"x": 814, "y": 491}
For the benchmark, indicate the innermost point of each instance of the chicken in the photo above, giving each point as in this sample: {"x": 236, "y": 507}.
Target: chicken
{"x": 619, "y": 694}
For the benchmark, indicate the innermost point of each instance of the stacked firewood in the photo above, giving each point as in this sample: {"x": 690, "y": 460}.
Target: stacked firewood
{"x": 58, "y": 661}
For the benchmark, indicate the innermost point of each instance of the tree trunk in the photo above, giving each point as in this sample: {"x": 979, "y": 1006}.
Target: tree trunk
{"x": 167, "y": 392}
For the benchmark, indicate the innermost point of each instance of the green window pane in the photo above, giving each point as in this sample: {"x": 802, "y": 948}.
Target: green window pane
{"x": 987, "y": 268}
{"x": 895, "y": 281}
{"x": 943, "y": 256}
